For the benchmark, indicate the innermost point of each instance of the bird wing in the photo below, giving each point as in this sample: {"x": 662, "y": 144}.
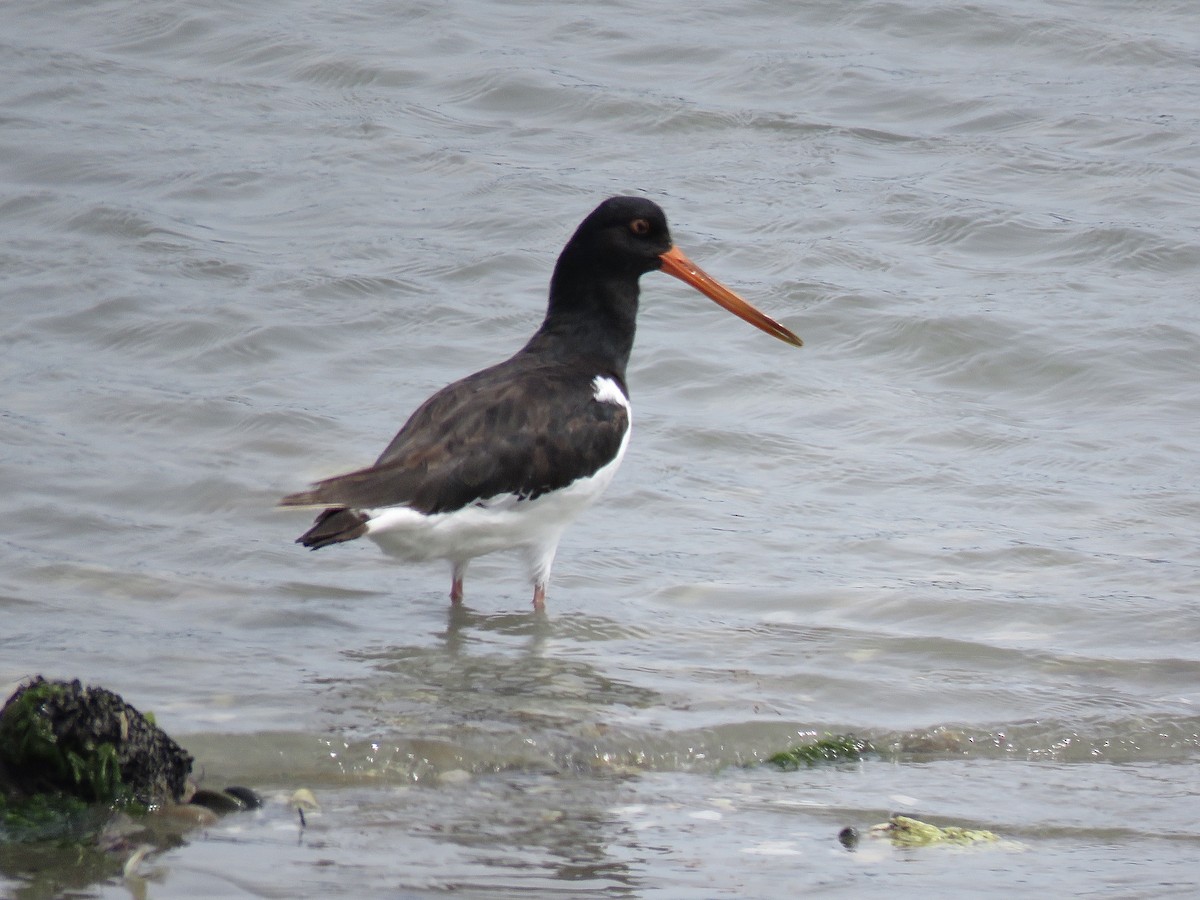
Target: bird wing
{"x": 535, "y": 430}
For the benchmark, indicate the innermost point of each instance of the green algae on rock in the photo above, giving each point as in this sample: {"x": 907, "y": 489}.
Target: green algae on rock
{"x": 87, "y": 744}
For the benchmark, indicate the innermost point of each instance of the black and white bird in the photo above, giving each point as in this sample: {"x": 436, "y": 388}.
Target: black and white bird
{"x": 506, "y": 458}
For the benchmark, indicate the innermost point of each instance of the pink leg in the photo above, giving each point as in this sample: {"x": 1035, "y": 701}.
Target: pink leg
{"x": 456, "y": 584}
{"x": 539, "y": 597}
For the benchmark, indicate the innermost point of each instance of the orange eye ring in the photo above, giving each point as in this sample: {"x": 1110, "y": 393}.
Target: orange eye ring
{"x": 640, "y": 227}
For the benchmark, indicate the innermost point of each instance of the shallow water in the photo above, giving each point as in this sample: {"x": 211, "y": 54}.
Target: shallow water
{"x": 241, "y": 244}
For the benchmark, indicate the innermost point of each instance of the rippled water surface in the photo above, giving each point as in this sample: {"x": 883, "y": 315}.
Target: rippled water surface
{"x": 242, "y": 243}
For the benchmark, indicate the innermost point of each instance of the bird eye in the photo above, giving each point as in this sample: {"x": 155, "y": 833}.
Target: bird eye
{"x": 640, "y": 227}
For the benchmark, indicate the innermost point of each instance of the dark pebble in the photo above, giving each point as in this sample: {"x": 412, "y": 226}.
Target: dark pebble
{"x": 249, "y": 799}
{"x": 230, "y": 800}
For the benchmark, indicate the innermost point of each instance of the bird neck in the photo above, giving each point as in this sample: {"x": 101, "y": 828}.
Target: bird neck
{"x": 590, "y": 315}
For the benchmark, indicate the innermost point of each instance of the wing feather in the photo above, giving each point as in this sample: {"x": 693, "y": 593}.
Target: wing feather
{"x": 535, "y": 430}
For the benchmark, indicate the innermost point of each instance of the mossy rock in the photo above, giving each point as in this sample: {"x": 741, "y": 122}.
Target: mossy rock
{"x": 60, "y": 738}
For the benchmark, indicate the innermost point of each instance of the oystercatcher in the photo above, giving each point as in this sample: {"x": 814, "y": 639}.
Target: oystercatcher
{"x": 506, "y": 458}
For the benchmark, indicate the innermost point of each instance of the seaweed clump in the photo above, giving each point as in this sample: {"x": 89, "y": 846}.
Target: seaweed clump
{"x": 905, "y": 831}
{"x": 831, "y": 748}
{"x": 58, "y": 738}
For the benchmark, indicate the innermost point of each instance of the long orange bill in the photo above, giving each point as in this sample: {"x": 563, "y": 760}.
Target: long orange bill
{"x": 674, "y": 262}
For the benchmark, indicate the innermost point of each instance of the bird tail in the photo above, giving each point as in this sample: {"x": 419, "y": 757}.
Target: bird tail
{"x": 334, "y": 526}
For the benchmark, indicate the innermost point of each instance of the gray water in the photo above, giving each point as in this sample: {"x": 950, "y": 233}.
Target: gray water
{"x": 241, "y": 244}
